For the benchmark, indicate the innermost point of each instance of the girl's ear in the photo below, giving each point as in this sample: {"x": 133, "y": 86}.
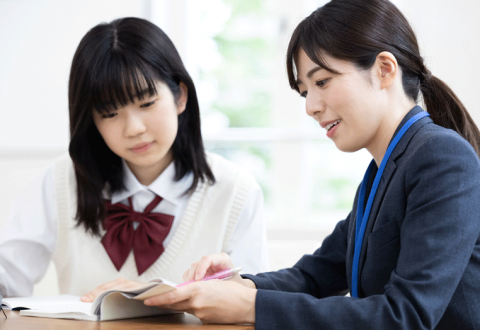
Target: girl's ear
{"x": 386, "y": 69}
{"x": 183, "y": 98}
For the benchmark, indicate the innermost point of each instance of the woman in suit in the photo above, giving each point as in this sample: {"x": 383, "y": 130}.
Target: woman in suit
{"x": 409, "y": 251}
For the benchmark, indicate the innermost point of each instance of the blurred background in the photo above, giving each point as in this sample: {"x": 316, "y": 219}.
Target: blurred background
{"x": 235, "y": 52}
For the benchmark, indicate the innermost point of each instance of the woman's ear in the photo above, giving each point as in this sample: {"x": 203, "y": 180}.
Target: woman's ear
{"x": 183, "y": 98}
{"x": 386, "y": 69}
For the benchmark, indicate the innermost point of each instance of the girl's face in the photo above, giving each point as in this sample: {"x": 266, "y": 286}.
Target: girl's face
{"x": 143, "y": 132}
{"x": 347, "y": 104}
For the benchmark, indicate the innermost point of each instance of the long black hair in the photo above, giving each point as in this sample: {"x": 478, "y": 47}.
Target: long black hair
{"x": 357, "y": 31}
{"x": 112, "y": 65}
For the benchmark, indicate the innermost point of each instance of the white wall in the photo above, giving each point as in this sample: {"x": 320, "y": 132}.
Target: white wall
{"x": 38, "y": 39}
{"x": 449, "y": 36}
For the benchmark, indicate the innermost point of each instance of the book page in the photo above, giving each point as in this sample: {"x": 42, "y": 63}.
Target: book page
{"x": 128, "y": 293}
{"x": 40, "y": 302}
{"x": 116, "y": 306}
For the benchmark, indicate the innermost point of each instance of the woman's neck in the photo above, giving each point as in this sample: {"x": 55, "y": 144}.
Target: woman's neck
{"x": 393, "y": 118}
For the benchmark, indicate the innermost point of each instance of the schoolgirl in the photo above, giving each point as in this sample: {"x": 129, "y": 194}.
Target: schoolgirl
{"x": 409, "y": 251}
{"x": 137, "y": 197}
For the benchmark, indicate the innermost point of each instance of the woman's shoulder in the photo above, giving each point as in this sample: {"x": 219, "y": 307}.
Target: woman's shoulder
{"x": 432, "y": 138}
{"x": 434, "y": 146}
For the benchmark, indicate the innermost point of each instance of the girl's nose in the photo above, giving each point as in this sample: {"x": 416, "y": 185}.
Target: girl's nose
{"x": 134, "y": 125}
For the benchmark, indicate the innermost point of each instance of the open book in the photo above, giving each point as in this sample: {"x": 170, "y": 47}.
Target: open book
{"x": 110, "y": 305}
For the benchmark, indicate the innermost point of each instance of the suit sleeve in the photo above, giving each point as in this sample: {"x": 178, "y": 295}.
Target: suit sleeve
{"x": 438, "y": 235}
{"x": 320, "y": 274}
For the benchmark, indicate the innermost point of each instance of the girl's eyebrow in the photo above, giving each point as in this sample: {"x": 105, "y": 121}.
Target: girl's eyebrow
{"x": 143, "y": 92}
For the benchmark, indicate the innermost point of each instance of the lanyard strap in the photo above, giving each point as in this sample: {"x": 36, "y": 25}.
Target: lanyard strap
{"x": 362, "y": 217}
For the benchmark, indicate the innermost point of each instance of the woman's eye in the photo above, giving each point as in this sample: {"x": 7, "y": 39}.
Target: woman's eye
{"x": 148, "y": 104}
{"x": 109, "y": 115}
{"x": 321, "y": 83}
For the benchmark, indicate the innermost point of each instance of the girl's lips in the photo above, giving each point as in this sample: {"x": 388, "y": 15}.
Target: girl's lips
{"x": 141, "y": 147}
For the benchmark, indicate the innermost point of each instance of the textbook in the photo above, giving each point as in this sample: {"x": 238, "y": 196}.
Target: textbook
{"x": 110, "y": 305}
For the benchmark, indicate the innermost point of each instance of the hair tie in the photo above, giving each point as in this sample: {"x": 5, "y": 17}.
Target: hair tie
{"x": 425, "y": 76}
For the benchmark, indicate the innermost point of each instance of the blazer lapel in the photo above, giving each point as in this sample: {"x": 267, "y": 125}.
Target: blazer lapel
{"x": 385, "y": 180}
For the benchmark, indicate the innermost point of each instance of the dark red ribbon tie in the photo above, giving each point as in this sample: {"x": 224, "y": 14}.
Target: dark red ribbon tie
{"x": 146, "y": 240}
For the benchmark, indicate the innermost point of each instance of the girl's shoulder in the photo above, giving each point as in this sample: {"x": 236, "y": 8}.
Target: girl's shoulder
{"x": 63, "y": 167}
{"x": 226, "y": 171}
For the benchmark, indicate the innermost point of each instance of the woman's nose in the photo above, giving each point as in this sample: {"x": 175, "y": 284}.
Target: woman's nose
{"x": 314, "y": 105}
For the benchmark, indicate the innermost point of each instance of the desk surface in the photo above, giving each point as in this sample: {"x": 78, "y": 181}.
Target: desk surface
{"x": 177, "y": 321}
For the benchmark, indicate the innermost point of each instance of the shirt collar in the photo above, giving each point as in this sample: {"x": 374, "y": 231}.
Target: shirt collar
{"x": 164, "y": 185}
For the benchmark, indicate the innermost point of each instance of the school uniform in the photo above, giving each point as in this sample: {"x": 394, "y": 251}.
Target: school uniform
{"x": 419, "y": 265}
{"x": 224, "y": 217}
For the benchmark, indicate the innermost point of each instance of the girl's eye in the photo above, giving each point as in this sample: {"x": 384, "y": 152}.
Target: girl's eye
{"x": 147, "y": 105}
{"x": 321, "y": 83}
{"x": 109, "y": 115}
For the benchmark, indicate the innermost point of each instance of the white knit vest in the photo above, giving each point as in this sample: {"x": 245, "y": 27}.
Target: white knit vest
{"x": 205, "y": 228}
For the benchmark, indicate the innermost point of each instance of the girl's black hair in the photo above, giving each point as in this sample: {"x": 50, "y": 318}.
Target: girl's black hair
{"x": 114, "y": 64}
{"x": 357, "y": 31}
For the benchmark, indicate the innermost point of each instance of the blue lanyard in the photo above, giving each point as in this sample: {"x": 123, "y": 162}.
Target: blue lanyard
{"x": 362, "y": 217}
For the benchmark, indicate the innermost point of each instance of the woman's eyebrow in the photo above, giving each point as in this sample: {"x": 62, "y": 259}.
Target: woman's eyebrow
{"x": 310, "y": 74}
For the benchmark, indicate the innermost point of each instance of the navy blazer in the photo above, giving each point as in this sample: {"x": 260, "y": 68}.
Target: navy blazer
{"x": 420, "y": 259}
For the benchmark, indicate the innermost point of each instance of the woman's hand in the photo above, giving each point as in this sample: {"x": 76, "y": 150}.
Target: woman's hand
{"x": 118, "y": 284}
{"x": 212, "y": 264}
{"x": 211, "y": 301}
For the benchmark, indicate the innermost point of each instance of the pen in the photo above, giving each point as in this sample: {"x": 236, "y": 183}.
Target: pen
{"x": 223, "y": 275}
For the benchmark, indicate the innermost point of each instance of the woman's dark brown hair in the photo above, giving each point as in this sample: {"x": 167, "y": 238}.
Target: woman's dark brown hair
{"x": 115, "y": 63}
{"x": 357, "y": 31}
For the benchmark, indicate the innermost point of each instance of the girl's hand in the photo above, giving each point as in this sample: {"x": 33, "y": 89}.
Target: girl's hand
{"x": 212, "y": 264}
{"x": 211, "y": 301}
{"x": 118, "y": 284}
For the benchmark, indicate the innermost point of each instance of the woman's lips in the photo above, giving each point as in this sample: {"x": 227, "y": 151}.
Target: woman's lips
{"x": 332, "y": 130}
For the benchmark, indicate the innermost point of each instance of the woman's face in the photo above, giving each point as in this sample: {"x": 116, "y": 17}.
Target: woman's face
{"x": 347, "y": 104}
{"x": 143, "y": 132}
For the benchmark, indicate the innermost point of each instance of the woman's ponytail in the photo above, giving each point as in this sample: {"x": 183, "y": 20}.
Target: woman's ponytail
{"x": 446, "y": 109}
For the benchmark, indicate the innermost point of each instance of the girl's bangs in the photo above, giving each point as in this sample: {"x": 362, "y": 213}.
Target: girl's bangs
{"x": 119, "y": 82}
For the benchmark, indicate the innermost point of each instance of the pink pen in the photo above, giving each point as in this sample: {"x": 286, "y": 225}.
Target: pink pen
{"x": 223, "y": 275}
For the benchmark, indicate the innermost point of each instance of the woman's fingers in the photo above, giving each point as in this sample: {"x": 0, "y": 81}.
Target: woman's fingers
{"x": 185, "y": 275}
{"x": 192, "y": 271}
{"x": 212, "y": 264}
{"x": 170, "y": 299}
{"x": 208, "y": 265}
{"x": 211, "y": 301}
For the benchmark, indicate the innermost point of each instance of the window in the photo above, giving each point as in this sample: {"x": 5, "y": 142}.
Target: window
{"x": 236, "y": 54}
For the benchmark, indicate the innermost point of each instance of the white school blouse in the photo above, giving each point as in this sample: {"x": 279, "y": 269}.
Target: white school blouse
{"x": 29, "y": 239}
